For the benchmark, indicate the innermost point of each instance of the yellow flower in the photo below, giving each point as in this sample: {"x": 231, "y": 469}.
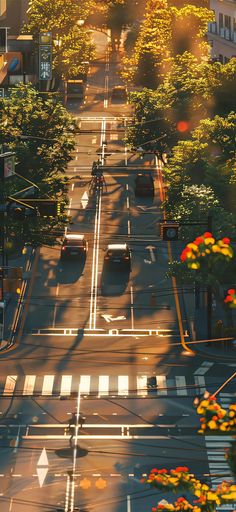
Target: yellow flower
{"x": 215, "y": 248}
{"x": 198, "y": 493}
{"x": 229, "y": 496}
{"x": 195, "y": 266}
{"x": 232, "y": 407}
{"x": 208, "y": 251}
{"x": 226, "y": 252}
{"x": 209, "y": 240}
{"x": 192, "y": 246}
{"x": 205, "y": 487}
{"x": 231, "y": 414}
{"x": 212, "y": 424}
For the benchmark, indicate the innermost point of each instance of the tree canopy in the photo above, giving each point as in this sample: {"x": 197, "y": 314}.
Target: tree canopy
{"x": 41, "y": 133}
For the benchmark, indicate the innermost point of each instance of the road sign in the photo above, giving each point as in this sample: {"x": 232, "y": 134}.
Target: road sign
{"x": 84, "y": 200}
{"x": 45, "y": 62}
{"x": 7, "y": 165}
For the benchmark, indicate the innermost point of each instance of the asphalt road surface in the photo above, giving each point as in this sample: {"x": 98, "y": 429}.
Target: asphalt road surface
{"x": 99, "y": 387}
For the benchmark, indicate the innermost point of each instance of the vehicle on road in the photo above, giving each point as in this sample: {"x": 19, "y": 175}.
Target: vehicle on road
{"x": 119, "y": 94}
{"x": 74, "y": 246}
{"x": 74, "y": 90}
{"x": 144, "y": 184}
{"x": 118, "y": 256}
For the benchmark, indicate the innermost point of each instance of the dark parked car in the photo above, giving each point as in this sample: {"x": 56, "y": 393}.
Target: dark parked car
{"x": 74, "y": 246}
{"x": 119, "y": 93}
{"x": 118, "y": 256}
{"x": 144, "y": 184}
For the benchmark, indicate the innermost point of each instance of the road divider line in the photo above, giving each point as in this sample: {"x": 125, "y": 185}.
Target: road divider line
{"x": 28, "y": 297}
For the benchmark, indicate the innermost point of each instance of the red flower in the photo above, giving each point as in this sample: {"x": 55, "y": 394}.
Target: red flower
{"x": 154, "y": 509}
{"x": 229, "y": 298}
{"x": 181, "y": 469}
{"x": 207, "y": 234}
{"x": 226, "y": 240}
{"x": 184, "y": 254}
{"x": 154, "y": 470}
{"x": 231, "y": 291}
{"x": 162, "y": 471}
{"x": 199, "y": 240}
{"x": 212, "y": 398}
{"x": 160, "y": 506}
{"x": 180, "y": 500}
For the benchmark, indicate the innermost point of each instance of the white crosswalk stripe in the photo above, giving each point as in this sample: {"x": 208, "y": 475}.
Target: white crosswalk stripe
{"x": 100, "y": 385}
{"x": 216, "y": 446}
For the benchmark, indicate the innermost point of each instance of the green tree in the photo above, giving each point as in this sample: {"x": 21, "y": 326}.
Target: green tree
{"x": 73, "y": 51}
{"x": 41, "y": 133}
{"x": 59, "y": 16}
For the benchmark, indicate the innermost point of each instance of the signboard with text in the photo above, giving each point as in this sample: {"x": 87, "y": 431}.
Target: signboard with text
{"x": 45, "y": 62}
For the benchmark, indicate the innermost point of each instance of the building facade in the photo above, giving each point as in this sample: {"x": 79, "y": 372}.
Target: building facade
{"x": 13, "y": 15}
{"x": 222, "y": 33}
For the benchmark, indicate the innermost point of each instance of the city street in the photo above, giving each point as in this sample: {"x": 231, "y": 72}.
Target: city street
{"x": 110, "y": 346}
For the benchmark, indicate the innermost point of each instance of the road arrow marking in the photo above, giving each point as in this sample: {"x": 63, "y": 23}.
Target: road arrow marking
{"x": 110, "y": 318}
{"x": 84, "y": 199}
{"x": 151, "y": 248}
{"x": 42, "y": 473}
{"x": 43, "y": 459}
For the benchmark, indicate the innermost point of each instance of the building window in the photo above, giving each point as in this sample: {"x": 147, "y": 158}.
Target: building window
{"x": 221, "y": 20}
{"x": 227, "y": 27}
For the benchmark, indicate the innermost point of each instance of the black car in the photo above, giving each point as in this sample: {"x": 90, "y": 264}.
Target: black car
{"x": 144, "y": 184}
{"x": 74, "y": 246}
{"x": 119, "y": 94}
{"x": 118, "y": 256}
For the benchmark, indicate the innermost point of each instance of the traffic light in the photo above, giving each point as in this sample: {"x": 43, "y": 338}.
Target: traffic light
{"x": 12, "y": 279}
{"x": 169, "y": 232}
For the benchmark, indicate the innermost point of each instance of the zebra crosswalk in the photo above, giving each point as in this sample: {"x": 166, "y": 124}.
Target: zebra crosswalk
{"x": 100, "y": 385}
{"x": 216, "y": 447}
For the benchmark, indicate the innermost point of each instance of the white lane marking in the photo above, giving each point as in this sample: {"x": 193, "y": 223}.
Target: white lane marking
{"x": 161, "y": 383}
{"x": 132, "y": 306}
{"x": 126, "y": 159}
{"x": 43, "y": 458}
{"x": 17, "y": 440}
{"x": 129, "y": 503}
{"x": 127, "y": 203}
{"x": 123, "y": 385}
{"x": 85, "y": 384}
{"x": 181, "y": 385}
{"x": 29, "y": 384}
{"x": 66, "y": 507}
{"x": 42, "y": 473}
{"x": 84, "y": 200}
{"x": 66, "y": 381}
{"x": 55, "y": 307}
{"x": 142, "y": 385}
{"x": 91, "y": 312}
{"x": 103, "y": 385}
{"x": 110, "y": 318}
{"x": 205, "y": 366}
{"x": 94, "y": 140}
{"x": 96, "y": 263}
{"x": 72, "y": 187}
{"x": 129, "y": 227}
{"x": 48, "y": 382}
{"x": 200, "y": 382}
{"x": 10, "y": 385}
{"x": 106, "y": 87}
{"x": 69, "y": 207}
{"x": 151, "y": 248}
{"x": 97, "y": 227}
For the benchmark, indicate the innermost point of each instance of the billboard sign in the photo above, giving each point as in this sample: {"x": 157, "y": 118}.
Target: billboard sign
{"x": 7, "y": 165}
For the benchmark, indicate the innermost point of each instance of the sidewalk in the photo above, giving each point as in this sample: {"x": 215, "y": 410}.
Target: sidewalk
{"x": 224, "y": 351}
{"x": 13, "y": 302}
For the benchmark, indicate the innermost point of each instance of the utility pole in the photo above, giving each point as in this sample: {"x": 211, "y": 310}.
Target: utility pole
{"x": 209, "y": 291}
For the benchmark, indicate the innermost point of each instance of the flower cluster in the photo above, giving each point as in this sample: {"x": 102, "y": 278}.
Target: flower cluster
{"x": 214, "y": 417}
{"x": 180, "y": 505}
{"x": 204, "y": 248}
{"x": 179, "y": 479}
{"x": 230, "y": 299}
